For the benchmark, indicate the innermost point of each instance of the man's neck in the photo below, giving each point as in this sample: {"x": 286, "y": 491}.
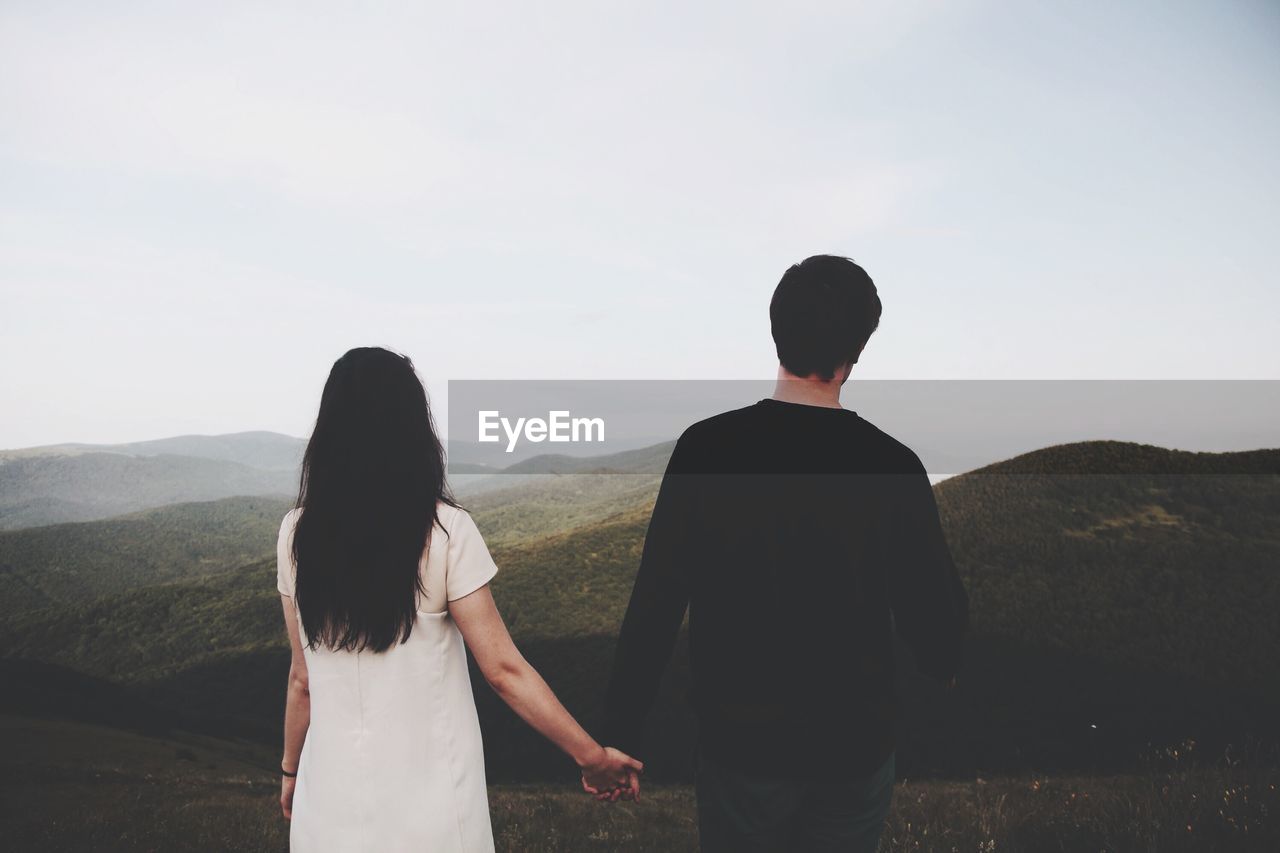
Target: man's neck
{"x": 808, "y": 390}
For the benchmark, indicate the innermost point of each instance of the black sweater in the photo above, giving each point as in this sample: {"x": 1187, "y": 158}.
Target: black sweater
{"x": 798, "y": 537}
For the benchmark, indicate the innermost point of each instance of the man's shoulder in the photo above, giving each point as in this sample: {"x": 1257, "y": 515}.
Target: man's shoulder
{"x": 856, "y": 442}
{"x": 717, "y": 425}
{"x": 902, "y": 458}
{"x": 712, "y": 441}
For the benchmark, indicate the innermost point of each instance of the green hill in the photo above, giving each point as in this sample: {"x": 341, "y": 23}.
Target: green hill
{"x": 155, "y": 631}
{"x": 1128, "y": 458}
{"x": 68, "y": 563}
{"x": 527, "y": 507}
{"x": 1139, "y": 556}
{"x": 571, "y": 584}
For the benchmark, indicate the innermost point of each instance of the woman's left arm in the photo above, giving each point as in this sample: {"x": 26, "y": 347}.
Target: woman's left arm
{"x": 297, "y": 708}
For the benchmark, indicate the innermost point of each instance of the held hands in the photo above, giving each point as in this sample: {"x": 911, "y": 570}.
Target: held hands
{"x": 610, "y": 775}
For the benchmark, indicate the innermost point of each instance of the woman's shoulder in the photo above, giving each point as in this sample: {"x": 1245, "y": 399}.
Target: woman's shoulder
{"x": 450, "y": 517}
{"x": 290, "y": 519}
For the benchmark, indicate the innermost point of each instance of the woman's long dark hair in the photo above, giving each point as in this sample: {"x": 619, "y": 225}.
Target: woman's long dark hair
{"x": 372, "y": 475}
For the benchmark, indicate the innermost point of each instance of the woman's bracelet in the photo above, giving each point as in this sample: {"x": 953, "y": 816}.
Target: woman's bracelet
{"x": 287, "y": 773}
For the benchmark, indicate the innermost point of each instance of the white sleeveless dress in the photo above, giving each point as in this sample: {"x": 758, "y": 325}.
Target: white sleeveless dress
{"x": 393, "y": 759}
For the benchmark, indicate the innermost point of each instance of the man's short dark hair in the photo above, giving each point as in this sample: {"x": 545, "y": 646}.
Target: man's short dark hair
{"x": 822, "y": 313}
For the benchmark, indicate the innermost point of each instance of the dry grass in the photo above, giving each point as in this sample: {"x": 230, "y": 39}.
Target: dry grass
{"x": 75, "y": 787}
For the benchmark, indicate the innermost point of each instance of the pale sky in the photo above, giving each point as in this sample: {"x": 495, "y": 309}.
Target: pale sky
{"x": 203, "y": 205}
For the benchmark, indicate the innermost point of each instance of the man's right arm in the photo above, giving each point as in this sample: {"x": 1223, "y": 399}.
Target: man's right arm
{"x": 656, "y": 610}
{"x": 930, "y": 606}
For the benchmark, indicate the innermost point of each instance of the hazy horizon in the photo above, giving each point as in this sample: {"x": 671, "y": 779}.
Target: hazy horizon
{"x": 954, "y": 426}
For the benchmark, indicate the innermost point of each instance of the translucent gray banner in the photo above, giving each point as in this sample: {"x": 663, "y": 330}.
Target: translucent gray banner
{"x": 587, "y": 426}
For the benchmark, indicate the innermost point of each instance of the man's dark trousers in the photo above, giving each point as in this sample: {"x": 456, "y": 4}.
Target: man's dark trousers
{"x": 744, "y": 813}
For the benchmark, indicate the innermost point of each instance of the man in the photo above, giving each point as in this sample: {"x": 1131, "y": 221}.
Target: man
{"x": 799, "y": 536}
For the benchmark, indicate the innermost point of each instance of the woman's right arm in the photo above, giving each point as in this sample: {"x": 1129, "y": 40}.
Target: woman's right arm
{"x": 604, "y": 770}
{"x": 297, "y": 708}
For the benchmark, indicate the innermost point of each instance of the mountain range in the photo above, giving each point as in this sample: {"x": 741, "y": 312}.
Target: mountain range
{"x": 83, "y": 482}
{"x": 58, "y": 483}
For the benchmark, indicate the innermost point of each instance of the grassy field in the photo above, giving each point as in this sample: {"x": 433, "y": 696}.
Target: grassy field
{"x": 177, "y": 792}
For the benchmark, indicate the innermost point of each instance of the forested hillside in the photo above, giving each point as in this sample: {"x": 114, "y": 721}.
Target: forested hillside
{"x": 74, "y": 563}
{"x": 1109, "y": 611}
{"x": 526, "y": 507}
{"x": 1134, "y": 555}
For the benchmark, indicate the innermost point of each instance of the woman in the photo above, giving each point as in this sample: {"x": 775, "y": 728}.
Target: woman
{"x": 383, "y": 579}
